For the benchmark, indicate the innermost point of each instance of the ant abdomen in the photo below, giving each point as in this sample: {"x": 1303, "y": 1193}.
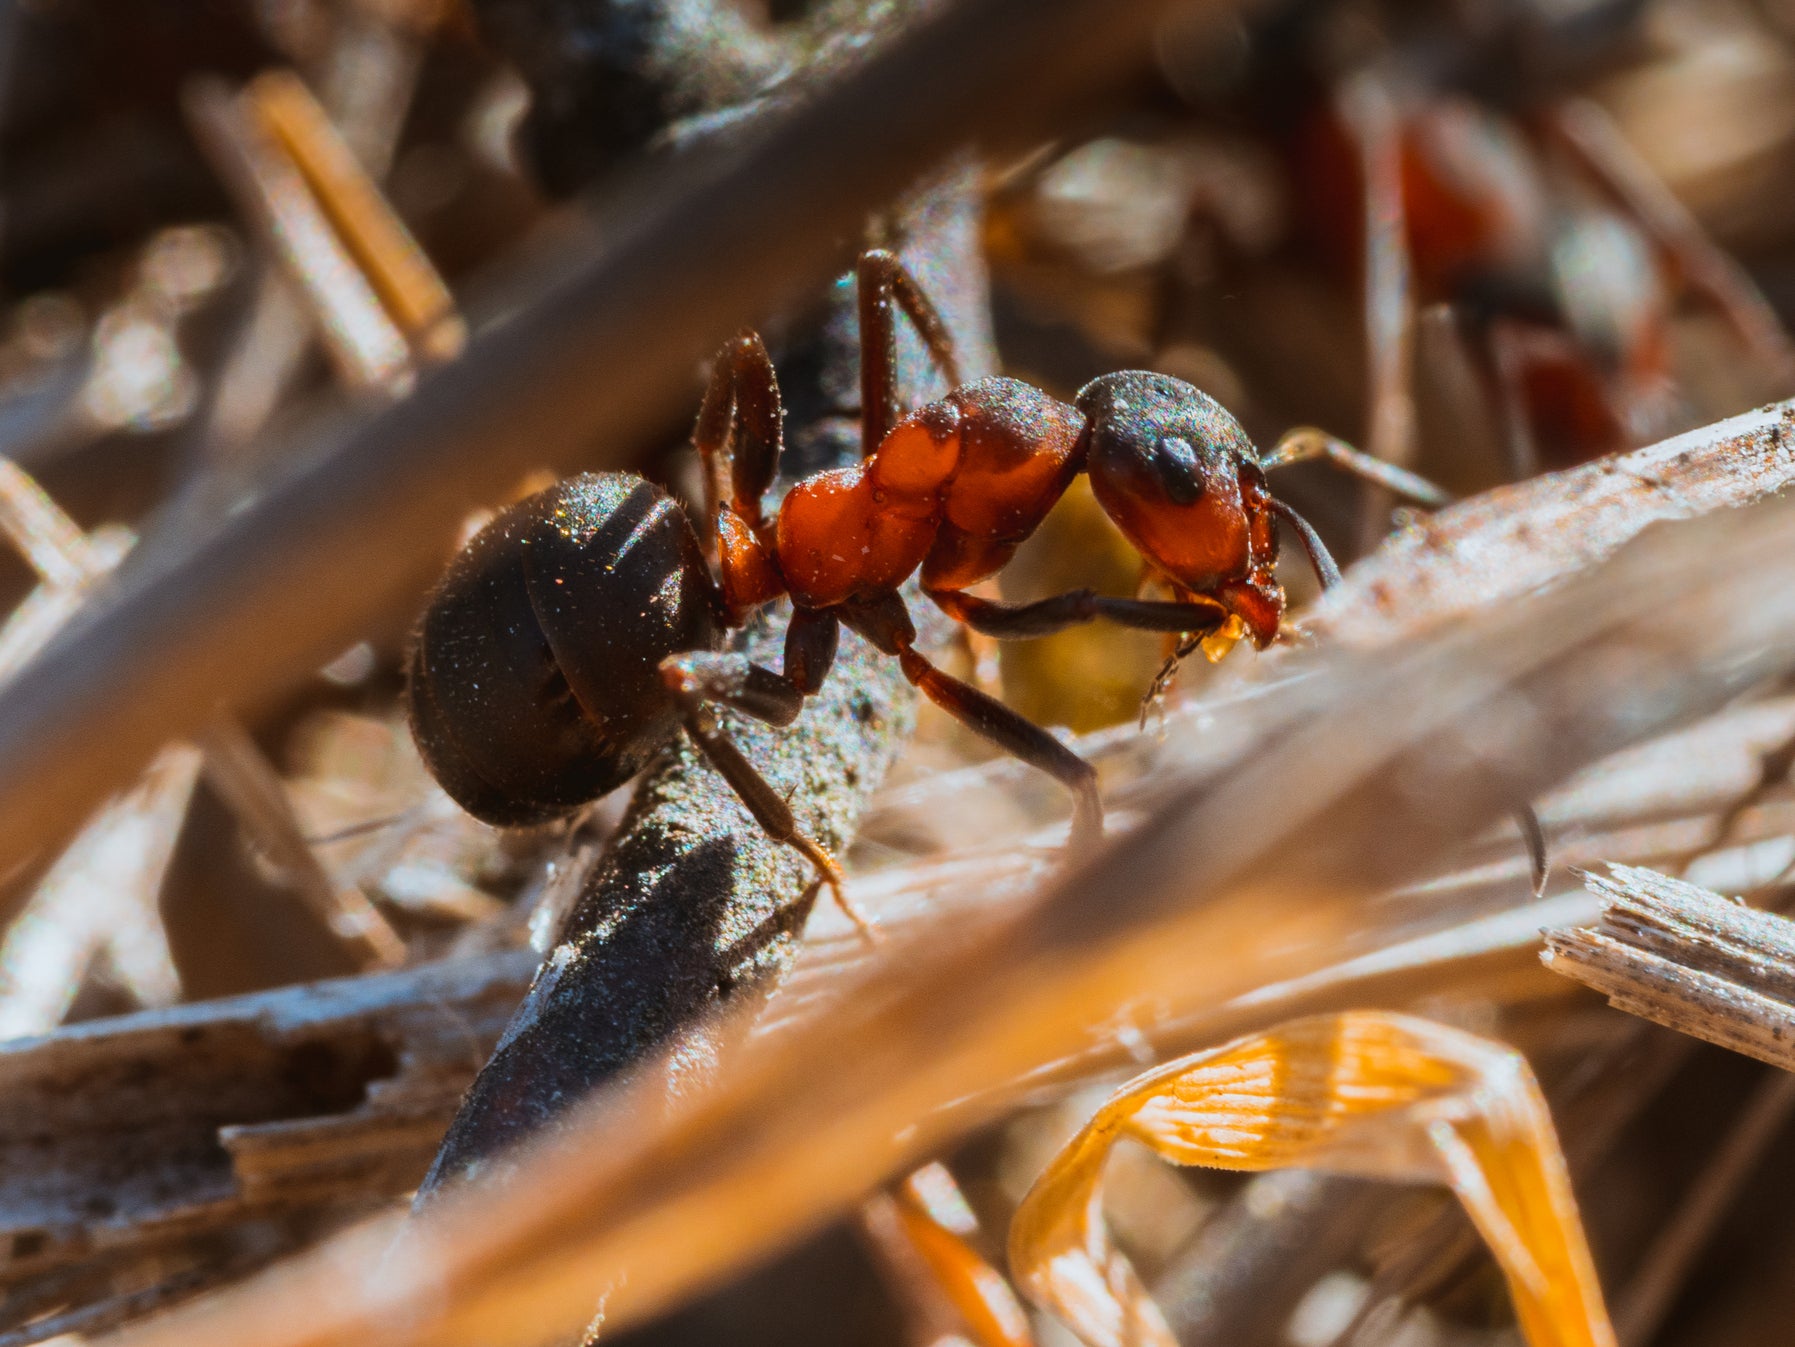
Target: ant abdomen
{"x": 534, "y": 685}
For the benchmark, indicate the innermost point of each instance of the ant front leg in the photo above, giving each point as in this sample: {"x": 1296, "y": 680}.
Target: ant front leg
{"x": 699, "y": 679}
{"x": 1020, "y": 621}
{"x": 881, "y": 280}
{"x": 741, "y": 414}
{"x": 886, "y": 623}
{"x": 741, "y": 419}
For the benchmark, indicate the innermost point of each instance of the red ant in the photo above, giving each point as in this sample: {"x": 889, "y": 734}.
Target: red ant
{"x": 1559, "y": 249}
{"x": 611, "y": 622}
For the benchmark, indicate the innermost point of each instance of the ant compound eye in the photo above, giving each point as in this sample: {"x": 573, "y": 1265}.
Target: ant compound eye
{"x": 1180, "y": 474}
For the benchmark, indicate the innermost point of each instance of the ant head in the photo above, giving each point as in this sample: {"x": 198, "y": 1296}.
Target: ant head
{"x": 1180, "y": 478}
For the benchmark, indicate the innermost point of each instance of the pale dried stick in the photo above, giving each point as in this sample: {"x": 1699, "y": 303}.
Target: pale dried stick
{"x": 366, "y": 345}
{"x": 409, "y": 288}
{"x": 66, "y": 557}
{"x": 99, "y": 900}
{"x": 42, "y": 612}
{"x": 1684, "y": 957}
{"x": 1371, "y": 116}
{"x": 369, "y": 76}
{"x": 1363, "y": 1093}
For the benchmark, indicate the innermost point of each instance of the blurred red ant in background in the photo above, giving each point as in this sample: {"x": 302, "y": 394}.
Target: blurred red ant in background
{"x": 1560, "y": 254}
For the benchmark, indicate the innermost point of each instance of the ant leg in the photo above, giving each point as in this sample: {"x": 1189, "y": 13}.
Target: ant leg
{"x": 735, "y": 680}
{"x": 886, "y": 623}
{"x": 1018, "y": 621}
{"x": 767, "y": 805}
{"x": 1190, "y": 621}
{"x": 1306, "y": 443}
{"x": 882, "y": 279}
{"x": 740, "y": 403}
{"x": 697, "y": 679}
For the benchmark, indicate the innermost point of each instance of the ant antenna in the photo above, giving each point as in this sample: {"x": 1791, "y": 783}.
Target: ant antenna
{"x": 1325, "y": 569}
{"x": 1306, "y": 444}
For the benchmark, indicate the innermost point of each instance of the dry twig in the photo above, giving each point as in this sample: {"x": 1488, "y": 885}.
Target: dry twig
{"x": 133, "y": 1130}
{"x": 1684, "y": 957}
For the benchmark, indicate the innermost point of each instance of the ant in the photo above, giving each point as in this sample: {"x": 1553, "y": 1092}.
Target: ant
{"x": 582, "y": 627}
{"x": 1561, "y": 254}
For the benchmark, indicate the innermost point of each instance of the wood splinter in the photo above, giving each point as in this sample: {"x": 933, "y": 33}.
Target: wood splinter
{"x": 1687, "y": 958}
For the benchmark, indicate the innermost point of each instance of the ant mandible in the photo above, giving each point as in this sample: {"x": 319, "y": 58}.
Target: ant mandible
{"x": 582, "y": 627}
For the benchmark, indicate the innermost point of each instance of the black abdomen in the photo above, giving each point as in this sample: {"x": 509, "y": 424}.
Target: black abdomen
{"x": 534, "y": 684}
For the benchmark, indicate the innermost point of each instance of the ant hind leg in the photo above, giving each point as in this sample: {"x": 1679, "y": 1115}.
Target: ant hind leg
{"x": 768, "y": 806}
{"x": 699, "y": 679}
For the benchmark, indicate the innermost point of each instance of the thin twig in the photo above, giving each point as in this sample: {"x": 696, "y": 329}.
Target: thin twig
{"x": 1389, "y": 294}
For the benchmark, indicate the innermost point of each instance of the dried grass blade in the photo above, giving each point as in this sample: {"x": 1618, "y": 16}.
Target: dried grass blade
{"x": 1363, "y": 1093}
{"x": 413, "y": 294}
{"x": 100, "y": 899}
{"x": 923, "y": 1230}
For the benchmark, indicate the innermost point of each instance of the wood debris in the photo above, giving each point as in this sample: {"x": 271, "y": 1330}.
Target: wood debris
{"x": 1687, "y": 958}
{"x": 142, "y": 1129}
